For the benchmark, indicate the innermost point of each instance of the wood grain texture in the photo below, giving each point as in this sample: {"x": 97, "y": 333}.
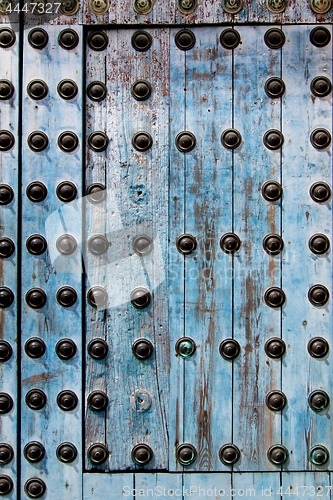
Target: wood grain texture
{"x": 256, "y": 484}
{"x": 114, "y": 485}
{"x": 306, "y": 484}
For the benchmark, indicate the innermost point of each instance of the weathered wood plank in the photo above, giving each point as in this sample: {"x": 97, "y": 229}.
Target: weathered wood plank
{"x": 207, "y": 485}
{"x": 116, "y": 486}
{"x": 256, "y": 484}
{"x": 306, "y": 485}
{"x": 158, "y": 485}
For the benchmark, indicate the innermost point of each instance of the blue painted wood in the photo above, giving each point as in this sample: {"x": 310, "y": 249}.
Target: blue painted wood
{"x": 306, "y": 485}
{"x": 256, "y": 484}
{"x": 51, "y": 426}
{"x": 158, "y": 485}
{"x": 207, "y": 485}
{"x": 302, "y": 166}
{"x": 116, "y": 486}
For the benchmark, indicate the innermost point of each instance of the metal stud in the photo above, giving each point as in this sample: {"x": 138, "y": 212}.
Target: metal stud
{"x": 97, "y": 400}
{"x": 98, "y": 141}
{"x": 98, "y": 244}
{"x": 274, "y": 38}
{"x": 143, "y": 6}
{"x": 275, "y": 347}
{"x": 143, "y": 245}
{"x": 35, "y": 347}
{"x": 229, "y": 454}
{"x": 67, "y": 400}
{"x": 66, "y": 244}
{"x": 186, "y": 454}
{"x": 140, "y": 298}
{"x": 6, "y": 297}
{"x": 276, "y": 400}
{"x": 229, "y": 349}
{"x": 98, "y": 40}
{"x": 187, "y": 6}
{"x": 6, "y": 90}
{"x": 68, "y": 141}
{"x": 320, "y": 192}
{"x": 35, "y": 298}
{"x": 318, "y": 347}
{"x": 66, "y": 453}
{"x": 35, "y": 487}
{"x": 142, "y": 141}
{"x": 38, "y": 141}
{"x": 320, "y": 36}
{"x": 142, "y": 454}
{"x": 67, "y": 89}
{"x": 185, "y": 141}
{"x": 36, "y": 191}
{"x": 230, "y": 38}
{"x": 319, "y": 401}
{"x": 185, "y": 39}
{"x": 36, "y": 244}
{"x": 319, "y": 455}
{"x": 321, "y": 86}
{"x": 97, "y": 91}
{"x": 142, "y": 41}
{"x": 273, "y": 244}
{"x": 318, "y": 295}
{"x": 68, "y": 39}
{"x": 66, "y": 191}
{"x": 277, "y": 454}
{"x": 7, "y": 38}
{"x": 232, "y": 6}
{"x": 35, "y": 399}
{"x": 66, "y": 296}
{"x": 7, "y": 140}
{"x": 185, "y": 347}
{"x": 320, "y": 138}
{"x": 320, "y": 6}
{"x": 97, "y": 297}
{"x": 65, "y": 349}
{"x": 38, "y": 38}
{"x": 6, "y": 453}
{"x": 319, "y": 244}
{"x": 99, "y": 7}
{"x": 275, "y": 87}
{"x": 186, "y": 244}
{"x": 69, "y": 7}
{"x": 274, "y": 297}
{"x": 37, "y": 89}
{"x": 98, "y": 349}
{"x": 6, "y": 403}
{"x": 273, "y": 139}
{"x": 231, "y": 138}
{"x": 6, "y": 351}
{"x": 142, "y": 349}
{"x": 141, "y": 90}
{"x": 34, "y": 451}
{"x": 6, "y": 484}
{"x": 272, "y": 191}
{"x": 276, "y": 6}
{"x": 98, "y": 453}
{"x": 7, "y": 247}
{"x": 6, "y": 194}
{"x": 96, "y": 193}
{"x": 230, "y": 243}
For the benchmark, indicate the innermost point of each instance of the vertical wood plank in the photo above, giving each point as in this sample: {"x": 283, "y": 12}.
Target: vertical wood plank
{"x": 114, "y": 485}
{"x": 306, "y": 484}
{"x": 158, "y": 485}
{"x": 256, "y": 484}
{"x": 217, "y": 485}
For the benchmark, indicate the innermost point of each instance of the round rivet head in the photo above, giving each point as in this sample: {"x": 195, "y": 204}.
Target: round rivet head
{"x": 318, "y": 347}
{"x": 65, "y": 349}
{"x": 318, "y": 295}
{"x": 185, "y": 347}
{"x": 231, "y": 138}
{"x": 276, "y": 400}
{"x": 67, "y": 400}
{"x": 7, "y": 247}
{"x": 38, "y": 141}
{"x": 35, "y": 399}
{"x": 96, "y": 193}
{"x": 68, "y": 141}
{"x": 141, "y": 90}
{"x": 274, "y": 297}
{"x": 142, "y": 141}
{"x": 142, "y": 245}
{"x": 275, "y": 87}
{"x": 319, "y": 401}
{"x": 273, "y": 139}
{"x": 232, "y": 6}
{"x": 69, "y": 7}
{"x": 275, "y": 347}
{"x": 229, "y": 454}
{"x": 229, "y": 349}
{"x": 6, "y": 90}
{"x": 35, "y": 298}
{"x": 141, "y": 41}
{"x": 187, "y": 6}
{"x": 7, "y": 140}
{"x": 6, "y": 484}
{"x": 98, "y": 349}
{"x": 185, "y": 142}
{"x": 320, "y": 192}
{"x": 319, "y": 455}
{"x": 273, "y": 244}
{"x": 7, "y": 38}
{"x": 66, "y": 453}
{"x": 37, "y": 89}
{"x": 97, "y": 297}
{"x": 185, "y": 39}
{"x": 97, "y": 401}
{"x": 36, "y": 191}
{"x": 38, "y": 38}
{"x": 230, "y": 243}
{"x": 320, "y": 36}
{"x": 320, "y": 6}
{"x": 6, "y": 403}
{"x": 97, "y": 91}
{"x": 66, "y": 191}
{"x": 67, "y": 89}
{"x": 99, "y": 7}
{"x": 142, "y": 454}
{"x": 98, "y": 40}
{"x": 35, "y": 487}
{"x": 277, "y": 454}
{"x": 320, "y": 138}
{"x": 272, "y": 191}
{"x": 35, "y": 347}
{"x": 186, "y": 244}
{"x": 66, "y": 296}
{"x": 6, "y": 453}
{"x": 140, "y": 298}
{"x": 143, "y": 6}
{"x": 36, "y": 244}
{"x": 66, "y": 244}
{"x": 142, "y": 349}
{"x": 68, "y": 39}
{"x": 34, "y": 451}
{"x": 321, "y": 86}
{"x": 98, "y": 453}
{"x": 230, "y": 38}
{"x": 274, "y": 38}
{"x": 6, "y": 351}
{"x": 6, "y": 194}
{"x": 98, "y": 141}
{"x": 319, "y": 244}
{"x": 6, "y": 297}
{"x": 276, "y": 6}
{"x": 98, "y": 244}
{"x": 186, "y": 454}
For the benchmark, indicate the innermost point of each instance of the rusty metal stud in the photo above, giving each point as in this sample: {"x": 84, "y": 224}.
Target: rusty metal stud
{"x": 34, "y": 452}
{"x": 6, "y": 453}
{"x": 142, "y": 141}
{"x": 68, "y": 39}
{"x": 68, "y": 141}
{"x": 273, "y": 244}
{"x": 187, "y": 6}
{"x": 65, "y": 349}
{"x": 229, "y": 454}
{"x": 98, "y": 453}
{"x": 319, "y": 455}
{"x": 97, "y": 91}
{"x": 66, "y": 453}
{"x": 320, "y": 6}
{"x": 185, "y": 347}
{"x": 6, "y": 194}
{"x": 321, "y": 86}
{"x": 35, "y": 487}
{"x": 185, "y": 141}
{"x": 6, "y": 403}
{"x": 35, "y": 399}
{"x": 7, "y": 140}
{"x": 7, "y": 247}
{"x": 277, "y": 454}
{"x": 35, "y": 298}
{"x": 186, "y": 454}
{"x": 231, "y": 138}
{"x": 230, "y": 38}
{"x": 69, "y": 7}
{"x": 67, "y": 400}
{"x": 142, "y": 349}
{"x": 273, "y": 139}
{"x": 275, "y": 87}
{"x": 319, "y": 244}
{"x": 6, "y": 90}
{"x": 35, "y": 347}
{"x": 320, "y": 138}
{"x": 276, "y": 6}
{"x": 97, "y": 400}
{"x": 274, "y": 38}
{"x": 66, "y": 191}
{"x": 318, "y": 295}
{"x": 66, "y": 296}
{"x": 140, "y": 298}
{"x": 319, "y": 401}
{"x": 6, "y": 351}
{"x": 98, "y": 40}
{"x": 96, "y": 193}
{"x": 99, "y": 7}
{"x": 320, "y": 36}
{"x": 98, "y": 244}
{"x": 67, "y": 89}
{"x": 272, "y": 191}
{"x": 6, "y": 484}
{"x": 38, "y": 141}
{"x": 37, "y": 89}
{"x": 38, "y": 38}
{"x": 98, "y": 349}
{"x": 6, "y": 6}
{"x": 230, "y": 243}
{"x": 97, "y": 297}
{"x": 141, "y": 90}
{"x": 143, "y": 6}
{"x": 318, "y": 347}
{"x": 36, "y": 244}
{"x": 98, "y": 141}
{"x": 7, "y": 38}
{"x": 320, "y": 192}
{"x": 275, "y": 347}
{"x": 229, "y": 349}
{"x": 6, "y": 297}
{"x": 274, "y": 297}
{"x": 142, "y": 41}
{"x": 142, "y": 454}
{"x": 143, "y": 245}
{"x": 185, "y": 39}
{"x": 232, "y": 6}
{"x": 66, "y": 244}
{"x": 186, "y": 244}
{"x": 276, "y": 400}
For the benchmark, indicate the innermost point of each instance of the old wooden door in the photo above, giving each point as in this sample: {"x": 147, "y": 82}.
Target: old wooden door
{"x": 166, "y": 271}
